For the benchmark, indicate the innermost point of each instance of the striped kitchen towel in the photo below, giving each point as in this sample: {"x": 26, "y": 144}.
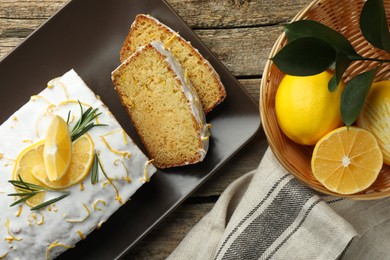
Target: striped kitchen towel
{"x": 268, "y": 214}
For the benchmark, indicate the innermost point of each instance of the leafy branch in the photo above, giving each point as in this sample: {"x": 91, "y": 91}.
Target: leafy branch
{"x": 308, "y": 39}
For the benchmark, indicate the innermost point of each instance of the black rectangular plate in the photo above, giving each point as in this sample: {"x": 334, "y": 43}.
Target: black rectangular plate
{"x": 87, "y": 35}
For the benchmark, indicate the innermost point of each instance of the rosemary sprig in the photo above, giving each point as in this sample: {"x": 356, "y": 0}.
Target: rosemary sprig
{"x": 46, "y": 203}
{"x": 29, "y": 190}
{"x": 95, "y": 170}
{"x": 84, "y": 124}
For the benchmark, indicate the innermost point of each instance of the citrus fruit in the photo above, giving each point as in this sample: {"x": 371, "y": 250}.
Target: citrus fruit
{"x": 375, "y": 116}
{"x": 347, "y": 161}
{"x": 58, "y": 149}
{"x": 28, "y": 163}
{"x": 305, "y": 109}
{"x": 80, "y": 165}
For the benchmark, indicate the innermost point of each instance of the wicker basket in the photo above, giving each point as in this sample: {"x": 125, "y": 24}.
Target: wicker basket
{"x": 342, "y": 16}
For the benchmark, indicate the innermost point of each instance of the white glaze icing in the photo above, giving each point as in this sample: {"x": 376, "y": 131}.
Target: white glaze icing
{"x": 190, "y": 94}
{"x": 50, "y": 226}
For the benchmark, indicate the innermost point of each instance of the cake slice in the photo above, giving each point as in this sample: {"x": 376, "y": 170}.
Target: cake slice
{"x": 164, "y": 108}
{"x": 46, "y": 232}
{"x": 202, "y": 75}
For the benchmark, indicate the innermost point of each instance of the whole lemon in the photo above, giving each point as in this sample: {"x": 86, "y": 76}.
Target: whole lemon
{"x": 305, "y": 109}
{"x": 375, "y": 116}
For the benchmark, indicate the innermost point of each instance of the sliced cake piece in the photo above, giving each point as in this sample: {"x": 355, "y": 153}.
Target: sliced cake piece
{"x": 164, "y": 108}
{"x": 202, "y": 75}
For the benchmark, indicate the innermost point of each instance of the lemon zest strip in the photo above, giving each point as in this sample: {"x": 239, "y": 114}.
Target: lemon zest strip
{"x": 52, "y": 84}
{"x": 81, "y": 234}
{"x": 117, "y": 197}
{"x": 3, "y": 256}
{"x": 116, "y": 131}
{"x": 99, "y": 225}
{"x": 50, "y": 109}
{"x": 80, "y": 220}
{"x": 52, "y": 208}
{"x": 170, "y": 40}
{"x": 37, "y": 125}
{"x": 124, "y": 137}
{"x": 127, "y": 178}
{"x": 36, "y": 97}
{"x": 53, "y": 245}
{"x": 69, "y": 101}
{"x": 95, "y": 207}
{"x": 34, "y": 217}
{"x": 12, "y": 237}
{"x": 121, "y": 153}
{"x": 146, "y": 177}
{"x": 10, "y": 161}
{"x": 17, "y": 214}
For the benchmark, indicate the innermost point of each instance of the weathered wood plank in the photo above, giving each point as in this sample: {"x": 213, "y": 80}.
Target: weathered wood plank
{"x": 16, "y": 28}
{"x": 243, "y": 51}
{"x": 29, "y": 9}
{"x": 198, "y": 14}
{"x": 19, "y": 18}
{"x": 236, "y": 13}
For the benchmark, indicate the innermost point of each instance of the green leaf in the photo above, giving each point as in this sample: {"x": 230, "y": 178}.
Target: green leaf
{"x": 373, "y": 24}
{"x": 308, "y": 28}
{"x": 332, "y": 84}
{"x": 305, "y": 57}
{"x": 342, "y": 63}
{"x": 354, "y": 96}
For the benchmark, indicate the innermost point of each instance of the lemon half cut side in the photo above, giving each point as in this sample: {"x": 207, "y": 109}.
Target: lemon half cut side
{"x": 347, "y": 160}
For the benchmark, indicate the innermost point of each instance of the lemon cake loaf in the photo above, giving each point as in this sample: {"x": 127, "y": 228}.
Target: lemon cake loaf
{"x": 163, "y": 106}
{"x": 204, "y": 78}
{"x": 84, "y": 200}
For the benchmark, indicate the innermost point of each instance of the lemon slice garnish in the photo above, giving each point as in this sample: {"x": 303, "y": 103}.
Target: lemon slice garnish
{"x": 79, "y": 167}
{"x": 29, "y": 163}
{"x": 58, "y": 149}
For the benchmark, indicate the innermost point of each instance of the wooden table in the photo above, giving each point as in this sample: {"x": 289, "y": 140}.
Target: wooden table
{"x": 240, "y": 32}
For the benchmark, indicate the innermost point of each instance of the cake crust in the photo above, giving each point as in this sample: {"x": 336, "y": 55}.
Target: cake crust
{"x": 179, "y": 124}
{"x": 203, "y": 76}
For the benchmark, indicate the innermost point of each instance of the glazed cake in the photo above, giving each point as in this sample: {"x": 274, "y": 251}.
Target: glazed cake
{"x": 47, "y": 232}
{"x": 163, "y": 106}
{"x": 202, "y": 75}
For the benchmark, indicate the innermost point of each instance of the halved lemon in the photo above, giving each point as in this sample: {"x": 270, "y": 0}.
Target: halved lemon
{"x": 347, "y": 161}
{"x": 80, "y": 165}
{"x": 29, "y": 163}
{"x": 58, "y": 149}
